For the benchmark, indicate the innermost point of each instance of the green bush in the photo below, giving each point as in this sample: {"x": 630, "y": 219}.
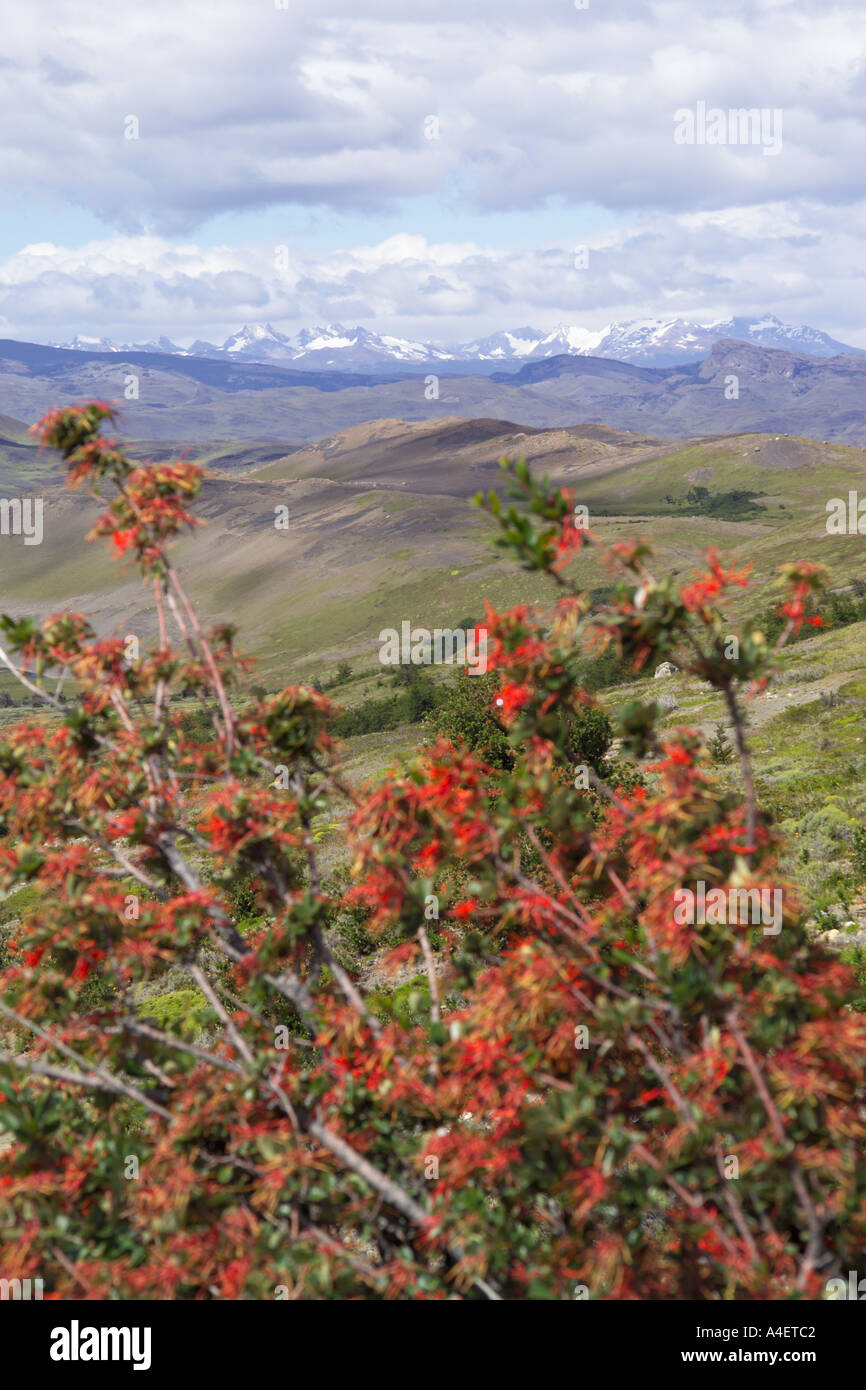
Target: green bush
{"x": 855, "y": 956}
{"x": 417, "y": 697}
{"x": 372, "y": 717}
{"x": 184, "y": 1012}
{"x": 719, "y": 748}
{"x": 197, "y": 725}
{"x": 467, "y": 715}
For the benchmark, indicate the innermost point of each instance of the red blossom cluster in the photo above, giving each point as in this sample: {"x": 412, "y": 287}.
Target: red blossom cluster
{"x": 528, "y": 1073}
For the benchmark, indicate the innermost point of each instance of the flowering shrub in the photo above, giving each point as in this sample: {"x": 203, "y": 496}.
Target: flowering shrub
{"x": 581, "y": 1094}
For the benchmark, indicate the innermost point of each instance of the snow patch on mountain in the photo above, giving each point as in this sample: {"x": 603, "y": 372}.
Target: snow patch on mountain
{"x": 653, "y": 342}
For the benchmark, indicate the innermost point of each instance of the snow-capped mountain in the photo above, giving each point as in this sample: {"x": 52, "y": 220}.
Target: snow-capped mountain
{"x": 514, "y": 346}
{"x": 654, "y": 342}
{"x": 668, "y": 342}
{"x": 336, "y": 346}
{"x": 330, "y": 347}
{"x": 80, "y": 343}
{"x": 574, "y": 340}
{"x": 524, "y": 344}
{"x": 256, "y": 336}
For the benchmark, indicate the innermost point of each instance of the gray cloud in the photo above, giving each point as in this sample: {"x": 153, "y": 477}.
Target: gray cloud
{"x": 244, "y": 106}
{"x": 541, "y": 109}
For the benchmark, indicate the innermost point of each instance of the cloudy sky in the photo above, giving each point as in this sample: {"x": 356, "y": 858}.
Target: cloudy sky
{"x": 425, "y": 167}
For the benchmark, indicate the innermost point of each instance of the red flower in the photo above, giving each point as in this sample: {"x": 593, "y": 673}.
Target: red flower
{"x": 122, "y": 540}
{"x": 511, "y": 699}
{"x": 465, "y": 908}
{"x": 218, "y": 830}
{"x": 707, "y": 586}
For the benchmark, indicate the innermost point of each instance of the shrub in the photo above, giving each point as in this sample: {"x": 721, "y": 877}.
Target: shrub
{"x": 719, "y": 746}
{"x": 372, "y": 717}
{"x": 418, "y": 695}
{"x": 197, "y": 725}
{"x": 467, "y": 715}
{"x": 555, "y": 1093}
{"x": 181, "y": 1011}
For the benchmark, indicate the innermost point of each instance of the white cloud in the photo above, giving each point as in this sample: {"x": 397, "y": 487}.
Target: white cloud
{"x": 243, "y": 106}
{"x": 779, "y": 258}
{"x": 542, "y": 109}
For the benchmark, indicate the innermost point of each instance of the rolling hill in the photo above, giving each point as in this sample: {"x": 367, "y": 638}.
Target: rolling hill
{"x": 381, "y": 529}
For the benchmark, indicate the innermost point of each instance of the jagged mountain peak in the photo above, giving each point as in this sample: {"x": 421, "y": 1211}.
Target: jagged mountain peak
{"x": 662, "y": 341}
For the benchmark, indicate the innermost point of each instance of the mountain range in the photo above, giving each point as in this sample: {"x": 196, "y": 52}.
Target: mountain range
{"x": 654, "y": 342}
{"x": 186, "y": 400}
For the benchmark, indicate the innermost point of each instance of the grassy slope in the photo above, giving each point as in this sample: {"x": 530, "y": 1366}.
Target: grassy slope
{"x": 381, "y": 530}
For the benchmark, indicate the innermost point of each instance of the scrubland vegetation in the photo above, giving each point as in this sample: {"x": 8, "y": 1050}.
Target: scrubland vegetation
{"x": 269, "y": 1030}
